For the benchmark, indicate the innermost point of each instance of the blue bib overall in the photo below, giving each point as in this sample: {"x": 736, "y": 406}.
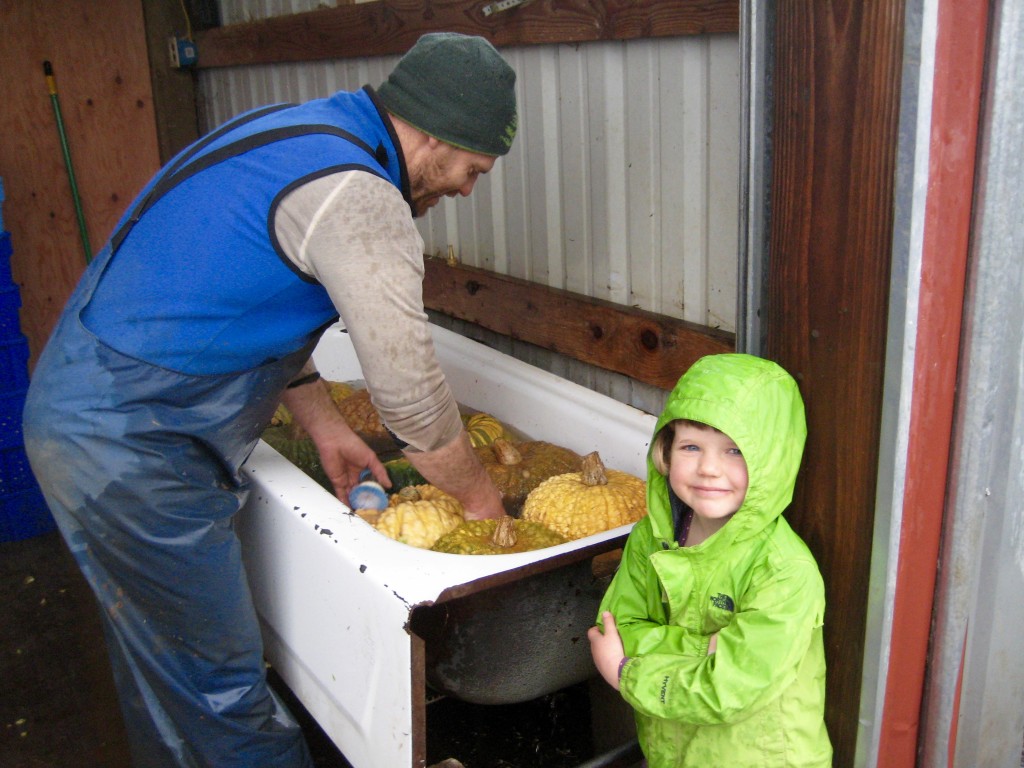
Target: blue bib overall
{"x": 146, "y": 402}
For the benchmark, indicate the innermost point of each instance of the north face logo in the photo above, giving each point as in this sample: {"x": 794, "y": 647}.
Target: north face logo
{"x": 723, "y": 601}
{"x": 510, "y": 131}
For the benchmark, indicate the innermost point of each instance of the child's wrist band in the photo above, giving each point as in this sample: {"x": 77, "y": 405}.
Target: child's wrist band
{"x": 622, "y": 664}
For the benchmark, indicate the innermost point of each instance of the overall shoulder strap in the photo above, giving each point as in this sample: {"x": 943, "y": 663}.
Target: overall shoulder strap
{"x": 160, "y": 187}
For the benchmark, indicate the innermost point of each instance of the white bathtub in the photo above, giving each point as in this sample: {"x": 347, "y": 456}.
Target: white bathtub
{"x": 337, "y": 599}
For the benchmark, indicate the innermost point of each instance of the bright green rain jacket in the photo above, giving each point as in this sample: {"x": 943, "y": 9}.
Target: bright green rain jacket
{"x": 759, "y": 699}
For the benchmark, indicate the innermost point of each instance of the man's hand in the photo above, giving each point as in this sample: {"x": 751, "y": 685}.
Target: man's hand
{"x": 344, "y": 455}
{"x": 342, "y": 452}
{"x": 607, "y": 650}
{"x": 456, "y": 470}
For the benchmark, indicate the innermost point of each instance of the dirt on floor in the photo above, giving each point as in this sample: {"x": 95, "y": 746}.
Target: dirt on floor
{"x": 58, "y": 706}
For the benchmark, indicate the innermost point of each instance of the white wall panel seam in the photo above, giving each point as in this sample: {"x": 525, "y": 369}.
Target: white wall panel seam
{"x": 552, "y": 187}
{"x": 616, "y": 197}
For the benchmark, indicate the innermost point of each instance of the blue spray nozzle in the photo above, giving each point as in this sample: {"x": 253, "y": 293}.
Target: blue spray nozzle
{"x": 367, "y": 494}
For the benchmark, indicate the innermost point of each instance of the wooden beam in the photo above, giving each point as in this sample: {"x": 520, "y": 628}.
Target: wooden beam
{"x": 392, "y": 26}
{"x": 835, "y": 128}
{"x": 645, "y": 346}
{"x": 174, "y": 90}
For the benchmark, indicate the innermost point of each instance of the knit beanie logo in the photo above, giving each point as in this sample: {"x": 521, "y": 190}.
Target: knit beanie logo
{"x": 510, "y": 132}
{"x": 456, "y": 88}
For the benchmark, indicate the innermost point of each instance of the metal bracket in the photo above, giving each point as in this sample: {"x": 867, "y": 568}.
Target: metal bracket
{"x": 502, "y": 5}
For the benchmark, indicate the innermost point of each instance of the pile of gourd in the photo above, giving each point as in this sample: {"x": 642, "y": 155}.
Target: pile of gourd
{"x": 551, "y": 494}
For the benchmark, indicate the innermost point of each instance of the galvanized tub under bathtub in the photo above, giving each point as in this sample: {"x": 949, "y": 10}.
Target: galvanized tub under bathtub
{"x": 359, "y": 625}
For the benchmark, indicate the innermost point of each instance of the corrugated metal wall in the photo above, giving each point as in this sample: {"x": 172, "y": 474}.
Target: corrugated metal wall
{"x": 974, "y": 711}
{"x": 240, "y": 11}
{"x": 623, "y": 183}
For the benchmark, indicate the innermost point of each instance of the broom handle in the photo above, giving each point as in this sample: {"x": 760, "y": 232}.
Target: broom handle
{"x": 51, "y": 86}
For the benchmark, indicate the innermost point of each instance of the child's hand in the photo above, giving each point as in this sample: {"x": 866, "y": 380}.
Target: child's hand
{"x": 607, "y": 649}
{"x": 713, "y": 644}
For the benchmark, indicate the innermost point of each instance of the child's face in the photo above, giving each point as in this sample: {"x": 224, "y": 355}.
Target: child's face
{"x": 708, "y": 472}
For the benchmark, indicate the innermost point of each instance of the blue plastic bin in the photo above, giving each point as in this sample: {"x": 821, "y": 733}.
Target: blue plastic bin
{"x": 11, "y": 406}
{"x": 23, "y": 511}
{"x": 10, "y": 320}
{"x": 13, "y": 363}
{"x": 24, "y": 514}
{"x": 6, "y": 279}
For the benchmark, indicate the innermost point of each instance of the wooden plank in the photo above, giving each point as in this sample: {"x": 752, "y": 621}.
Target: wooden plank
{"x": 837, "y": 93}
{"x": 174, "y": 91}
{"x": 98, "y": 53}
{"x": 648, "y": 347}
{"x": 392, "y": 26}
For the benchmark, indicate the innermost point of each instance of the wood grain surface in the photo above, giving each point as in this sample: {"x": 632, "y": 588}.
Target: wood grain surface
{"x": 835, "y": 114}
{"x": 392, "y": 26}
{"x": 98, "y": 53}
{"x": 648, "y": 347}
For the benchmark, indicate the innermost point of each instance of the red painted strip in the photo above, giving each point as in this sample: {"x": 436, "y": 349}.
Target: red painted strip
{"x": 960, "y": 53}
{"x": 955, "y": 715}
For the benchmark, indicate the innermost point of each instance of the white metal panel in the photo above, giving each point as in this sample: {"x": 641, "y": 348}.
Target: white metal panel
{"x": 723, "y": 176}
{"x": 643, "y": 156}
{"x": 622, "y": 183}
{"x": 241, "y": 11}
{"x": 975, "y": 702}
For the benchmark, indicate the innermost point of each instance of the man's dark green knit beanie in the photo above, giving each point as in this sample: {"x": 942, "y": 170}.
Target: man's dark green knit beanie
{"x": 456, "y": 88}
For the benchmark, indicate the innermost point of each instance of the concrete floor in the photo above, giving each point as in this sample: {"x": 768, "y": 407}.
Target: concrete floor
{"x": 58, "y": 707}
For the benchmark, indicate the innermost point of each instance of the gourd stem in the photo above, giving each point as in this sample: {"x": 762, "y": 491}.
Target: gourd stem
{"x": 592, "y": 470}
{"x": 505, "y": 533}
{"x": 506, "y": 453}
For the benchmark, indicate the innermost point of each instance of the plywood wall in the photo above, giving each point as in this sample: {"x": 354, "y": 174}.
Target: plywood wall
{"x": 98, "y": 53}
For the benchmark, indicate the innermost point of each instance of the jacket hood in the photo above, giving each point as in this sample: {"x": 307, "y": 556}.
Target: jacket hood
{"x": 757, "y": 404}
